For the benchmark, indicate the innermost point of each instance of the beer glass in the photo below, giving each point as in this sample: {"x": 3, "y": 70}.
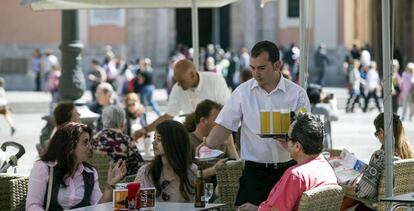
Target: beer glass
{"x": 264, "y": 121}
{"x": 277, "y": 122}
{"x": 285, "y": 119}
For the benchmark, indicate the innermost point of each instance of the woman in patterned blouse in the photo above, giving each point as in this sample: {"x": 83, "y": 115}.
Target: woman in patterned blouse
{"x": 366, "y": 186}
{"x": 116, "y": 144}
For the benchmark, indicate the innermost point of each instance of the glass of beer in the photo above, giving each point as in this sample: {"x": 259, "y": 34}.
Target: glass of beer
{"x": 285, "y": 119}
{"x": 277, "y": 122}
{"x": 264, "y": 121}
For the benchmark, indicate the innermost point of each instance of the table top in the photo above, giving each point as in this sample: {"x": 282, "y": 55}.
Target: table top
{"x": 407, "y": 198}
{"x": 158, "y": 206}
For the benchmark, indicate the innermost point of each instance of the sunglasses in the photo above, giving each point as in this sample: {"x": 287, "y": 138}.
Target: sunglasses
{"x": 165, "y": 196}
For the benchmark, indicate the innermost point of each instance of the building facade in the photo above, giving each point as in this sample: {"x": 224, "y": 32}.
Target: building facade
{"x": 154, "y": 33}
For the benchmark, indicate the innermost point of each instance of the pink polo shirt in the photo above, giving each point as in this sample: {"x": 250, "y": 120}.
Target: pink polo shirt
{"x": 67, "y": 197}
{"x": 286, "y": 194}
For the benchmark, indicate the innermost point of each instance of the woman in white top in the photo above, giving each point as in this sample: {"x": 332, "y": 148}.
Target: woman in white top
{"x": 171, "y": 172}
{"x": 74, "y": 182}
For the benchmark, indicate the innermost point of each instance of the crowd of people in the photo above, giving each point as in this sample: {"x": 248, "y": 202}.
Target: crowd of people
{"x": 276, "y": 172}
{"x": 364, "y": 83}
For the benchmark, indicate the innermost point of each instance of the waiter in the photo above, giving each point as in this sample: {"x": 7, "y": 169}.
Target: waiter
{"x": 265, "y": 159}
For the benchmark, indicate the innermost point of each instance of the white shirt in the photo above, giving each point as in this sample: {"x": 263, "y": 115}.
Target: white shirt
{"x": 373, "y": 79}
{"x": 3, "y": 101}
{"x": 244, "y": 106}
{"x": 51, "y": 61}
{"x": 210, "y": 86}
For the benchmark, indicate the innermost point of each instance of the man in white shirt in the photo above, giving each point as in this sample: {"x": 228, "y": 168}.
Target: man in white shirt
{"x": 266, "y": 159}
{"x": 191, "y": 88}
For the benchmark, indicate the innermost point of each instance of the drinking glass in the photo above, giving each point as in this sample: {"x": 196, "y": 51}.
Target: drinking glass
{"x": 208, "y": 191}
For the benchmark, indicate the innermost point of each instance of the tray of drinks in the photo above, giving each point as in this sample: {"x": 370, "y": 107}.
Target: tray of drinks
{"x": 274, "y": 136}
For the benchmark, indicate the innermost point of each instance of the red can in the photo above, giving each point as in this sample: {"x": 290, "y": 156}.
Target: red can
{"x": 134, "y": 201}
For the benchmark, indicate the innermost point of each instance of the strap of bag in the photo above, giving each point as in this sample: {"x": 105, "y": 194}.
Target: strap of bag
{"x": 49, "y": 188}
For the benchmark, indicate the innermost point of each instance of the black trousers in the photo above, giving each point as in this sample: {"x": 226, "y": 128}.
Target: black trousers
{"x": 257, "y": 181}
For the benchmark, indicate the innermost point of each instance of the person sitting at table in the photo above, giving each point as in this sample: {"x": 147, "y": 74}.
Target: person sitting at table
{"x": 74, "y": 181}
{"x": 135, "y": 114}
{"x": 171, "y": 172}
{"x": 112, "y": 141}
{"x": 305, "y": 145}
{"x": 199, "y": 124}
{"x": 63, "y": 113}
{"x": 366, "y": 186}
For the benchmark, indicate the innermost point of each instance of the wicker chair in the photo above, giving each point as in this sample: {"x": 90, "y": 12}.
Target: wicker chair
{"x": 13, "y": 191}
{"x": 322, "y": 198}
{"x": 228, "y": 183}
{"x": 101, "y": 162}
{"x": 403, "y": 172}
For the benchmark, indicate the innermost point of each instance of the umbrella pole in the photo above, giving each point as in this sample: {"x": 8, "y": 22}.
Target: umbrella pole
{"x": 302, "y": 43}
{"x": 194, "y": 22}
{"x": 388, "y": 114}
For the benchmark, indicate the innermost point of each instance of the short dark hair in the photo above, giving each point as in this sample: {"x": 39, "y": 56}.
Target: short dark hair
{"x": 309, "y": 132}
{"x": 63, "y": 112}
{"x": 203, "y": 109}
{"x": 314, "y": 93}
{"x": 266, "y": 46}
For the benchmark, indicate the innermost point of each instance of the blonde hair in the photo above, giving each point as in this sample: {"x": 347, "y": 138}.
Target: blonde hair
{"x": 401, "y": 145}
{"x": 409, "y": 68}
{"x": 131, "y": 97}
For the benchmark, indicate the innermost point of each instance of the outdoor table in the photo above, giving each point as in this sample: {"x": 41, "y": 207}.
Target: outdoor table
{"x": 394, "y": 202}
{"x": 158, "y": 206}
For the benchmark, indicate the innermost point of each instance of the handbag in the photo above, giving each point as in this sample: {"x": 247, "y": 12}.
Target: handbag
{"x": 49, "y": 188}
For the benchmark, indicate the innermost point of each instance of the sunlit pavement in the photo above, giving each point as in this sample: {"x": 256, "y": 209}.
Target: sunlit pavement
{"x": 353, "y": 131}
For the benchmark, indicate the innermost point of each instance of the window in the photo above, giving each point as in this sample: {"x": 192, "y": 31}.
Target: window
{"x": 114, "y": 17}
{"x": 293, "y": 8}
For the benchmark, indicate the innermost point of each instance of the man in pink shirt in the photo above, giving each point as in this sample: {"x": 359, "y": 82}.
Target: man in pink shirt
{"x": 312, "y": 170}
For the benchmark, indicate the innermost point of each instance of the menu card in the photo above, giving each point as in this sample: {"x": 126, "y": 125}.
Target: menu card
{"x": 347, "y": 167}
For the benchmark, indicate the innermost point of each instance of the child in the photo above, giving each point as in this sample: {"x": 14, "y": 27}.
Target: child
{"x": 4, "y": 110}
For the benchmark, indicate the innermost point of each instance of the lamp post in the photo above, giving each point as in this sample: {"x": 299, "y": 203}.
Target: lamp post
{"x": 72, "y": 81}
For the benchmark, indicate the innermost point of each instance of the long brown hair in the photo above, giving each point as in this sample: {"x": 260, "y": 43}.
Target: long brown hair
{"x": 401, "y": 145}
{"x": 61, "y": 149}
{"x": 177, "y": 149}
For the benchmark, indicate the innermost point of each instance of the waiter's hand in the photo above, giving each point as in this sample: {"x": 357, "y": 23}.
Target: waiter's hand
{"x": 248, "y": 207}
{"x": 204, "y": 143}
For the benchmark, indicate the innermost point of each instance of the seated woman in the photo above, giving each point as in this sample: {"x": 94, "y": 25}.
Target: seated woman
{"x": 64, "y": 112}
{"x": 112, "y": 141}
{"x": 74, "y": 181}
{"x": 366, "y": 186}
{"x": 135, "y": 114}
{"x": 200, "y": 123}
{"x": 171, "y": 172}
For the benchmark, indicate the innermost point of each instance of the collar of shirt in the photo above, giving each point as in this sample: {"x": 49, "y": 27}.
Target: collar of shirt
{"x": 280, "y": 86}
{"x": 79, "y": 171}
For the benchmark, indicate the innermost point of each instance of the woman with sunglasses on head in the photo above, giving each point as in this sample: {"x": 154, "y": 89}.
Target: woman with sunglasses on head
{"x": 171, "y": 172}
{"x": 62, "y": 179}
{"x": 366, "y": 186}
